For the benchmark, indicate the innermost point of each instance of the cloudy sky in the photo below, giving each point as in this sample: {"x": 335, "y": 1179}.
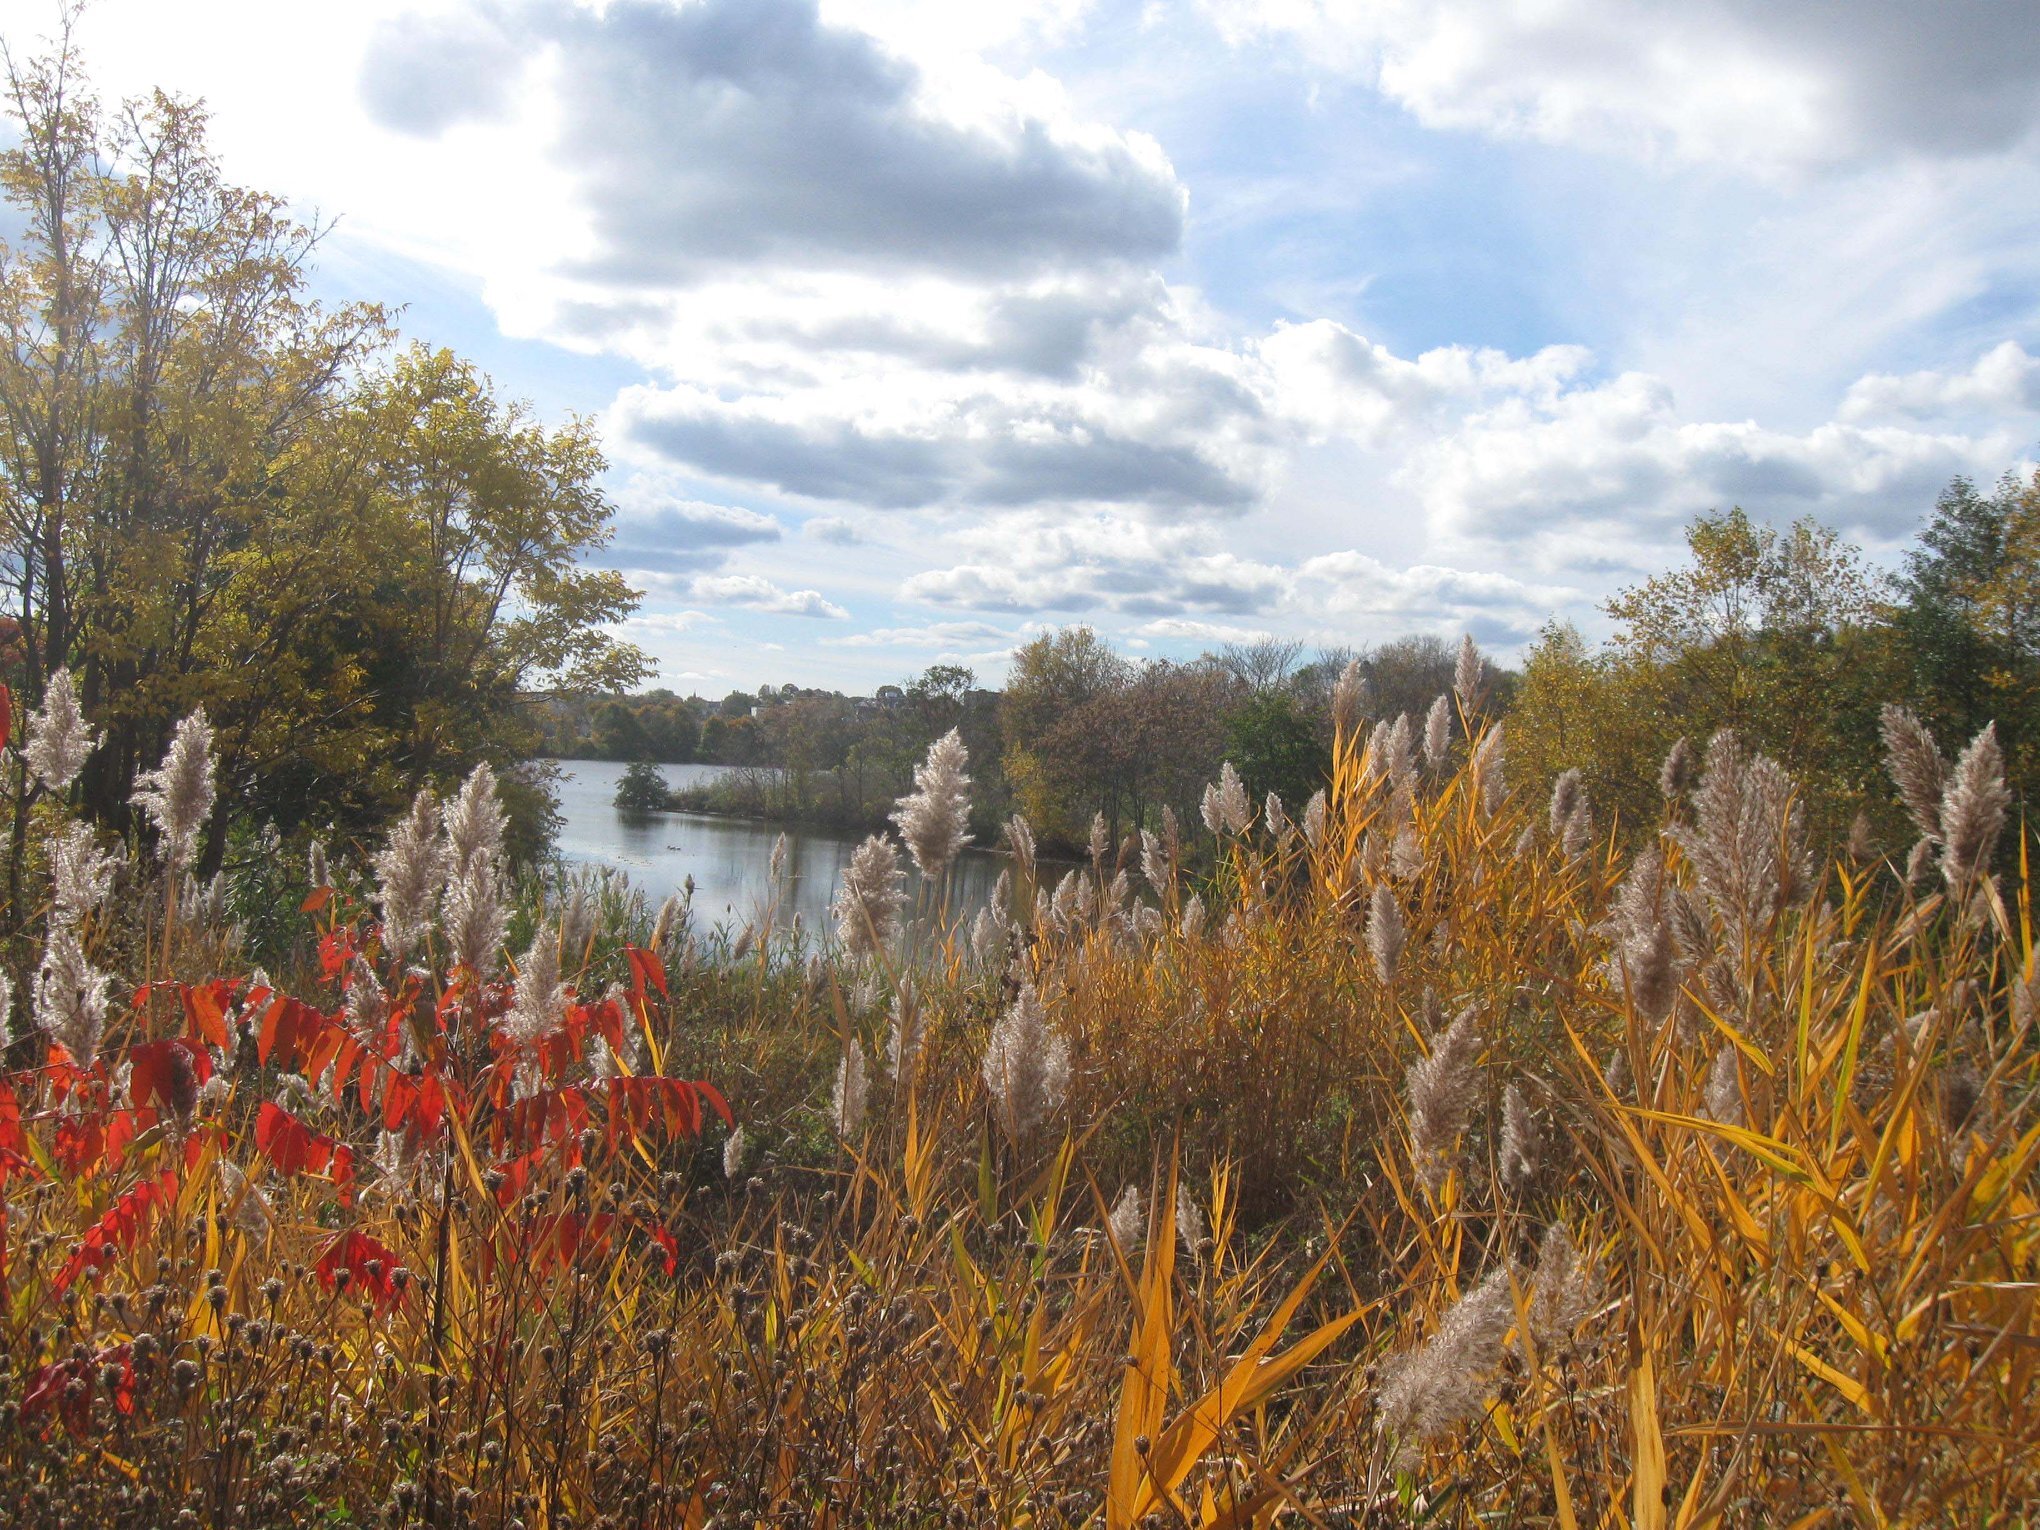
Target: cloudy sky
{"x": 917, "y": 327}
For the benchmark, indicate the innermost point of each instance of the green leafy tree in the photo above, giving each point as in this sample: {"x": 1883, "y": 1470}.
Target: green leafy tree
{"x": 642, "y": 788}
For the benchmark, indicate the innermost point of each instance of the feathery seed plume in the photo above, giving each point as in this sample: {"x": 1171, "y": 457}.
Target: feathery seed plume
{"x": 1916, "y": 860}
{"x": 578, "y": 915}
{"x": 1193, "y": 919}
{"x": 409, "y": 872}
{"x": 1349, "y": 699}
{"x": 1190, "y": 1231}
{"x": 1487, "y": 768}
{"x": 1467, "y": 682}
{"x": 70, "y": 996}
{"x": 1973, "y": 810}
{"x": 909, "y": 1027}
{"x": 1385, "y": 933}
{"x": 1449, "y": 1378}
{"x": 1914, "y": 762}
{"x": 59, "y": 741}
{"x": 934, "y": 817}
{"x": 9, "y": 1033}
{"x": 1397, "y": 748}
{"x": 540, "y": 1005}
{"x": 1026, "y": 1067}
{"x": 475, "y": 917}
{"x": 178, "y": 794}
{"x": 1440, "y": 1091}
{"x": 474, "y": 825}
{"x": 1128, "y": 1220}
{"x": 1565, "y": 1292}
{"x": 776, "y": 866}
{"x": 670, "y": 923}
{"x": 1020, "y": 835}
{"x": 1314, "y": 819}
{"x": 1154, "y": 863}
{"x": 987, "y": 936}
{"x": 1520, "y": 1143}
{"x": 1675, "y": 776}
{"x": 1566, "y": 800}
{"x": 867, "y": 906}
{"x": 1747, "y": 842}
{"x": 1724, "y": 1089}
{"x": 1275, "y": 819}
{"x": 247, "y": 1207}
{"x": 316, "y": 870}
{"x": 736, "y": 1149}
{"x": 853, "y": 1085}
{"x": 367, "y": 1007}
{"x": 80, "y": 875}
{"x": 1438, "y": 732}
{"x": 1862, "y": 847}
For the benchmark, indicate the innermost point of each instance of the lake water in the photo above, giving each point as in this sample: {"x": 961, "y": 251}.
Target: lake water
{"x": 728, "y": 858}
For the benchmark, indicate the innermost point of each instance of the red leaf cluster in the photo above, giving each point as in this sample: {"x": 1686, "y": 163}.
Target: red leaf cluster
{"x": 369, "y": 1264}
{"x": 295, "y": 1148}
{"x": 120, "y": 1228}
{"x": 51, "y": 1388}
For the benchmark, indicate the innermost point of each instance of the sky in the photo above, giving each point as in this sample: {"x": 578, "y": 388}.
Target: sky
{"x": 916, "y": 329}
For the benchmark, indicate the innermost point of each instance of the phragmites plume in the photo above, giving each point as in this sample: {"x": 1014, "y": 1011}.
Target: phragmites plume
{"x": 904, "y": 1037}
{"x": 1644, "y": 961}
{"x": 409, "y": 872}
{"x": 1386, "y": 933}
{"x": 59, "y": 742}
{"x": 540, "y": 1006}
{"x": 1675, "y": 776}
{"x": 1155, "y": 864}
{"x": 1973, "y": 810}
{"x": 1100, "y": 845}
{"x": 1127, "y": 1221}
{"x": 1724, "y": 1099}
{"x": 1916, "y": 767}
{"x": 1468, "y": 682}
{"x": 317, "y": 872}
{"x": 578, "y": 917}
{"x": 1020, "y": 835}
{"x": 1440, "y": 1090}
{"x": 1487, "y": 768}
{"x": 8, "y": 1033}
{"x": 670, "y": 923}
{"x": 775, "y": 867}
{"x": 1225, "y": 807}
{"x": 736, "y": 1152}
{"x": 1192, "y": 925}
{"x": 1862, "y": 846}
{"x": 474, "y": 912}
{"x": 1275, "y": 819}
{"x": 1395, "y": 749}
{"x": 70, "y": 996}
{"x": 1314, "y": 819}
{"x": 247, "y": 1207}
{"x": 1747, "y": 843}
{"x": 178, "y": 794}
{"x": 1190, "y": 1229}
{"x": 367, "y": 1007}
{"x": 933, "y": 818}
{"x": 1565, "y": 1293}
{"x": 1520, "y": 1144}
{"x": 1917, "y": 859}
{"x": 80, "y": 875}
{"x": 867, "y": 906}
{"x": 853, "y": 1087}
{"x": 1570, "y": 818}
{"x": 1349, "y": 699}
{"x": 1026, "y": 1067}
{"x": 1449, "y": 1378}
{"x": 987, "y": 937}
{"x": 1438, "y": 732}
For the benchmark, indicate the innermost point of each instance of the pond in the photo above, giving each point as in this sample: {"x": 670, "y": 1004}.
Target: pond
{"x": 728, "y": 858}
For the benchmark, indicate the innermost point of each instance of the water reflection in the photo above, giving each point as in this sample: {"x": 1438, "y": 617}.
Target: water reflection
{"x": 729, "y": 858}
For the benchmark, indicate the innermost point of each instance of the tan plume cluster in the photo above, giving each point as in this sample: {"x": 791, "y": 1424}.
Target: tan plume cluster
{"x": 867, "y": 906}
{"x": 934, "y": 818}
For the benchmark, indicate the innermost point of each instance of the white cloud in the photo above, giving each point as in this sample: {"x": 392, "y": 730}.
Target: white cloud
{"x": 1187, "y": 629}
{"x": 932, "y": 635}
{"x": 2005, "y": 380}
{"x": 756, "y": 593}
{"x": 1763, "y": 84}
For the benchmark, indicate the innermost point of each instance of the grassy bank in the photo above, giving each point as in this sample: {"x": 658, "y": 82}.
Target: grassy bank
{"x": 1436, "y": 1165}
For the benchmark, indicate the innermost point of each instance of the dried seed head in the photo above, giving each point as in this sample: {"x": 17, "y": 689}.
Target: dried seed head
{"x": 1385, "y": 933}
{"x": 1349, "y": 699}
{"x": 1314, "y": 819}
{"x": 70, "y": 996}
{"x": 1973, "y": 810}
{"x": 80, "y": 876}
{"x": 1520, "y": 1144}
{"x": 540, "y": 1005}
{"x": 1675, "y": 776}
{"x": 934, "y": 818}
{"x": 1724, "y": 1099}
{"x": 1450, "y": 1377}
{"x": 736, "y": 1154}
{"x": 1128, "y": 1220}
{"x": 867, "y": 906}
{"x": 1468, "y": 681}
{"x": 410, "y": 870}
{"x": 1566, "y": 799}
{"x": 1438, "y": 732}
{"x": 1914, "y": 762}
{"x": 853, "y": 1084}
{"x": 178, "y": 794}
{"x": 1747, "y": 842}
{"x": 1026, "y": 1067}
{"x": 1440, "y": 1090}
{"x": 1193, "y": 918}
{"x": 59, "y": 742}
{"x": 1862, "y": 847}
{"x": 1488, "y": 769}
{"x": 1565, "y": 1293}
